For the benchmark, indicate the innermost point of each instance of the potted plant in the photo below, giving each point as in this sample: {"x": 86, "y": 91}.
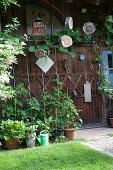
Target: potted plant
{"x": 60, "y": 106}
{"x": 12, "y": 131}
{"x": 71, "y": 119}
{"x": 30, "y": 135}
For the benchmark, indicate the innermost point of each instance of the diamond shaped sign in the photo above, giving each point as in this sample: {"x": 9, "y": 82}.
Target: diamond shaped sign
{"x": 44, "y": 63}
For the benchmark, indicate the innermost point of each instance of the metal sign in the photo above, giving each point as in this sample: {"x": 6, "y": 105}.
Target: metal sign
{"x": 44, "y": 63}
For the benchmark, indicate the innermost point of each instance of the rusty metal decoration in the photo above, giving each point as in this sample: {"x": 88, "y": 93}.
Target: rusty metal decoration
{"x": 89, "y": 28}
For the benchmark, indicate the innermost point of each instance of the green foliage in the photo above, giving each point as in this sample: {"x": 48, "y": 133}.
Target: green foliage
{"x": 11, "y": 45}
{"x": 32, "y": 49}
{"x": 6, "y": 3}
{"x": 46, "y": 124}
{"x": 108, "y": 41}
{"x": 104, "y": 86}
{"x": 13, "y": 108}
{"x": 11, "y": 130}
{"x": 33, "y": 111}
{"x": 110, "y": 134}
{"x": 49, "y": 42}
{"x": 62, "y": 49}
{"x": 61, "y": 107}
{"x": 61, "y": 139}
{"x": 97, "y": 59}
{"x": 30, "y": 129}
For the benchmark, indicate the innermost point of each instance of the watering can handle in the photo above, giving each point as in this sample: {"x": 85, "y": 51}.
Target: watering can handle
{"x": 44, "y": 131}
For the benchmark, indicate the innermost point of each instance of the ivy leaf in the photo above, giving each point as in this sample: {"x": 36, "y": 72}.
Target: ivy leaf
{"x": 108, "y": 41}
{"x": 111, "y": 47}
{"x": 77, "y": 39}
{"x": 32, "y": 49}
{"x": 110, "y": 30}
{"x": 77, "y": 32}
{"x": 43, "y": 47}
{"x": 108, "y": 24}
{"x": 63, "y": 50}
{"x": 73, "y": 48}
{"x": 108, "y": 33}
{"x": 72, "y": 54}
{"x": 70, "y": 33}
{"x": 99, "y": 32}
{"x": 87, "y": 37}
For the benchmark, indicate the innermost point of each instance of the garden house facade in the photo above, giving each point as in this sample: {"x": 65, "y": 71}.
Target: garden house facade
{"x": 78, "y": 73}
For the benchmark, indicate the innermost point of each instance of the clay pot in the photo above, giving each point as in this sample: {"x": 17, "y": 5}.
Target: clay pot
{"x": 70, "y": 133}
{"x": 11, "y": 144}
{"x": 111, "y": 121}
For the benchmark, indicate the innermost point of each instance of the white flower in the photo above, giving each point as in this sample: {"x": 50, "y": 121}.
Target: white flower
{"x": 2, "y": 45}
{"x": 4, "y": 78}
{"x": 10, "y": 47}
{"x": 23, "y": 43}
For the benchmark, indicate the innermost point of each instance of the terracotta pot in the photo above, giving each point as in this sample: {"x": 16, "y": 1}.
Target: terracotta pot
{"x": 11, "y": 144}
{"x": 70, "y": 133}
{"x": 111, "y": 121}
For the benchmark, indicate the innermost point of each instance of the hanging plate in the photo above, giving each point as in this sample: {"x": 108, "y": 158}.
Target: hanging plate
{"x": 89, "y": 28}
{"x": 69, "y": 22}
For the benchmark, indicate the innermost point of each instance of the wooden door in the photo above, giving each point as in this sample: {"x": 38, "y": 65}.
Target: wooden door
{"x": 72, "y": 72}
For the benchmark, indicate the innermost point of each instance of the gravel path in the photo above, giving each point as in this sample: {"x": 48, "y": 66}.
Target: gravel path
{"x": 98, "y": 139}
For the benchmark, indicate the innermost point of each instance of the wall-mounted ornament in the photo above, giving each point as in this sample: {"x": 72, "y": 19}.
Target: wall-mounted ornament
{"x": 44, "y": 63}
{"x": 83, "y": 10}
{"x": 39, "y": 53}
{"x": 87, "y": 92}
{"x": 38, "y": 27}
{"x": 69, "y": 22}
{"x": 66, "y": 41}
{"x": 109, "y": 18}
{"x": 89, "y": 28}
{"x": 82, "y": 57}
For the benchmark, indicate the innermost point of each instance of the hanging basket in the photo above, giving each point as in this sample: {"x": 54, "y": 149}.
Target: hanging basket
{"x": 89, "y": 28}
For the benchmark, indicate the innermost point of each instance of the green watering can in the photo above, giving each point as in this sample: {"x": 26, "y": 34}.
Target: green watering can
{"x": 43, "y": 138}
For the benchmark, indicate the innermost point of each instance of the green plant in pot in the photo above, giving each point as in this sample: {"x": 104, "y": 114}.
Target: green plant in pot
{"x": 30, "y": 135}
{"x": 12, "y": 131}
{"x": 61, "y": 108}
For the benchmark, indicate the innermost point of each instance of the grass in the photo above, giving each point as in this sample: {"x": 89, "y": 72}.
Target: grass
{"x": 110, "y": 134}
{"x": 66, "y": 156}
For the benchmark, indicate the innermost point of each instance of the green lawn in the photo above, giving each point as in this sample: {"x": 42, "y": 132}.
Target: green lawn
{"x": 71, "y": 155}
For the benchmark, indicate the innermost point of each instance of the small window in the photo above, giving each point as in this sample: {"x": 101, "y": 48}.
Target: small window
{"x": 108, "y": 66}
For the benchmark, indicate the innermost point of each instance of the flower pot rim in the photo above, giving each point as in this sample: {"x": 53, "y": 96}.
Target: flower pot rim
{"x": 69, "y": 129}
